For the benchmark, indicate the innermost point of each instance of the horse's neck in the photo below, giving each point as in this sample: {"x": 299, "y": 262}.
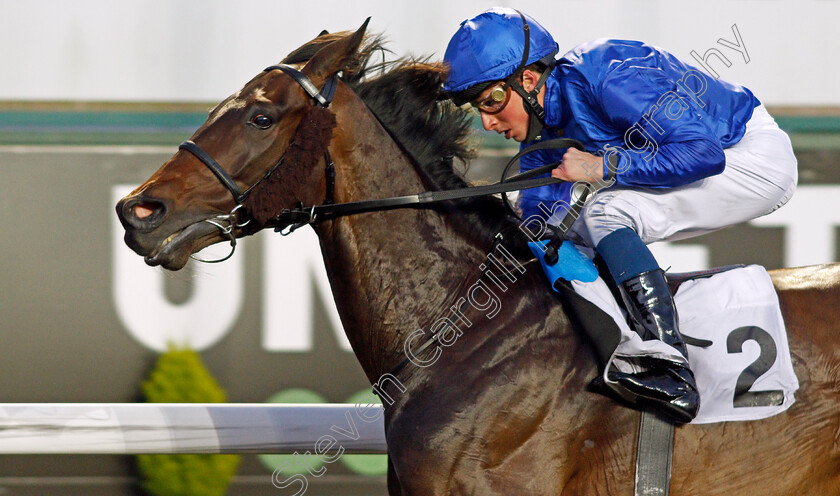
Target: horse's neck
{"x": 391, "y": 272}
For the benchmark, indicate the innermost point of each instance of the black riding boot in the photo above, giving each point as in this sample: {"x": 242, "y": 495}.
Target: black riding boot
{"x": 666, "y": 384}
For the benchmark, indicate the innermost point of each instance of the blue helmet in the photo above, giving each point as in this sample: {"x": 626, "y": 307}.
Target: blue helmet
{"x": 490, "y": 47}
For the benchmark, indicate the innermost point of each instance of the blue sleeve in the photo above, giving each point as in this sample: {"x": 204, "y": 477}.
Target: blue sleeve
{"x": 667, "y": 142}
{"x": 553, "y": 197}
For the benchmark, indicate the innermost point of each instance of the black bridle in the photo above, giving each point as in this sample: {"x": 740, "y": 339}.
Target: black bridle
{"x": 228, "y": 222}
{"x": 322, "y": 97}
{"x": 291, "y": 219}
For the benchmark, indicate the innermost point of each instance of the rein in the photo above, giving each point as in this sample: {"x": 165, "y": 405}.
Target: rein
{"x": 258, "y": 206}
{"x": 319, "y": 122}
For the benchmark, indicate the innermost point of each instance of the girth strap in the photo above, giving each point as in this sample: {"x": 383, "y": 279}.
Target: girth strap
{"x": 654, "y": 455}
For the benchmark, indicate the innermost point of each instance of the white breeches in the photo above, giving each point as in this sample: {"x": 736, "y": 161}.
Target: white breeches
{"x": 760, "y": 176}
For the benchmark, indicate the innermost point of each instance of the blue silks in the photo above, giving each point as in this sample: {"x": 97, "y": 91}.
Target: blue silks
{"x": 571, "y": 265}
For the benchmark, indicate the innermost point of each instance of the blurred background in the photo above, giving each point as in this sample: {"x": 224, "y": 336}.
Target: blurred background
{"x": 95, "y": 95}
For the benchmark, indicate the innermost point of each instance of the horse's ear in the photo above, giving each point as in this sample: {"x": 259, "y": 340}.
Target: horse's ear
{"x": 333, "y": 57}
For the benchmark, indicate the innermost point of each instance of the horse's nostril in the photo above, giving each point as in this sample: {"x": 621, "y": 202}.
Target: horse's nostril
{"x": 143, "y": 210}
{"x": 141, "y": 213}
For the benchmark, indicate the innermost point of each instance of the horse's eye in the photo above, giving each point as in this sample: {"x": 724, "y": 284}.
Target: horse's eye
{"x": 262, "y": 121}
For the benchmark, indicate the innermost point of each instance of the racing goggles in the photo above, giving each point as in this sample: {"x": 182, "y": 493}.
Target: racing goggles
{"x": 495, "y": 100}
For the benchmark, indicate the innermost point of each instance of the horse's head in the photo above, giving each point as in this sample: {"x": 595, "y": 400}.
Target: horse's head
{"x": 194, "y": 199}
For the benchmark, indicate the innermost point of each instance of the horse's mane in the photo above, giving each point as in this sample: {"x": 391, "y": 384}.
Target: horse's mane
{"x": 403, "y": 95}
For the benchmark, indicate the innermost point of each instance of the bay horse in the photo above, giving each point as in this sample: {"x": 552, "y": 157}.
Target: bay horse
{"x": 504, "y": 410}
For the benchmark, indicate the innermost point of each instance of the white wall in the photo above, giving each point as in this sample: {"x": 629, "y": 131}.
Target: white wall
{"x": 203, "y": 50}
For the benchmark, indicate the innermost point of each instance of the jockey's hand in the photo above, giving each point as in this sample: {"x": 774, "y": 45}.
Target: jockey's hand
{"x": 580, "y": 166}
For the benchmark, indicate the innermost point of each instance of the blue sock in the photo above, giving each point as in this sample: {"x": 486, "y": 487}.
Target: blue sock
{"x": 626, "y": 255}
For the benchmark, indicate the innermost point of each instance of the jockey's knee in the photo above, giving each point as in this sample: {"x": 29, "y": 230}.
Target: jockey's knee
{"x": 601, "y": 218}
{"x": 788, "y": 186}
{"x": 785, "y": 171}
{"x": 786, "y": 196}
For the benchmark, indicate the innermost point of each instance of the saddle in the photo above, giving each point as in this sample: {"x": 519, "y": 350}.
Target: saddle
{"x": 675, "y": 279}
{"x": 720, "y": 310}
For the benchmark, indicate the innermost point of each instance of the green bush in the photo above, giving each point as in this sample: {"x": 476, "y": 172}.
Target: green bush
{"x": 180, "y": 377}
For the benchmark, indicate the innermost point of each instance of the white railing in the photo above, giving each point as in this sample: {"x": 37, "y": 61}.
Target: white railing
{"x": 132, "y": 428}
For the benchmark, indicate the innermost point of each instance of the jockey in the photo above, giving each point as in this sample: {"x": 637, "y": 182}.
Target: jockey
{"x": 677, "y": 153}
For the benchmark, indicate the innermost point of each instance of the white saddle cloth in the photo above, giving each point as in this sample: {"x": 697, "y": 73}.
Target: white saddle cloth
{"x": 746, "y": 372}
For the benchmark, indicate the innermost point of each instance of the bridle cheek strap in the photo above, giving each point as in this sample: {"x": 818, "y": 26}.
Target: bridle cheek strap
{"x": 323, "y": 98}
{"x": 309, "y": 142}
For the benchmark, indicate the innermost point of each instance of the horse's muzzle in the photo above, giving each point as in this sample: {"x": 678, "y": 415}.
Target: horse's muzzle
{"x": 167, "y": 237}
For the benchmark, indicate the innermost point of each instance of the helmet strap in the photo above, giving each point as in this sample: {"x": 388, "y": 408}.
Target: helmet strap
{"x": 529, "y": 98}
{"x": 531, "y": 103}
